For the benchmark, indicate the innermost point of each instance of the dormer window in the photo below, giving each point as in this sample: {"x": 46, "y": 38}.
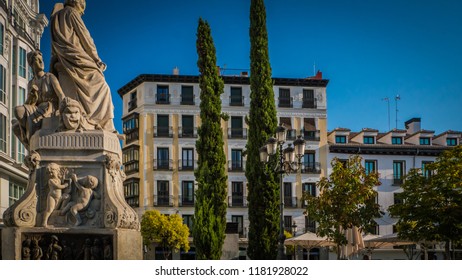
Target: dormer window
{"x": 397, "y": 140}
{"x": 424, "y": 141}
{"x": 451, "y": 141}
{"x": 340, "y": 139}
{"x": 368, "y": 140}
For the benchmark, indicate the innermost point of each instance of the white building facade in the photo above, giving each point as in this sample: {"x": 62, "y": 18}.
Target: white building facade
{"x": 392, "y": 154}
{"x": 21, "y": 27}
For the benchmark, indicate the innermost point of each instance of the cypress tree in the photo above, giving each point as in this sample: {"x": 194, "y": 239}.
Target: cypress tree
{"x": 263, "y": 189}
{"x": 210, "y": 205}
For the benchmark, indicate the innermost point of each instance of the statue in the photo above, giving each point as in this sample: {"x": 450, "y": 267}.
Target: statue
{"x": 77, "y": 65}
{"x": 85, "y": 189}
{"x": 55, "y": 185}
{"x": 43, "y": 99}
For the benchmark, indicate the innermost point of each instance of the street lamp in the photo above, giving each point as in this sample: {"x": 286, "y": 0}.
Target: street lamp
{"x": 289, "y": 161}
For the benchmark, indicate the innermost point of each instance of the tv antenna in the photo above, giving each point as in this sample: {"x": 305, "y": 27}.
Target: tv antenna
{"x": 388, "y": 106}
{"x": 397, "y": 98}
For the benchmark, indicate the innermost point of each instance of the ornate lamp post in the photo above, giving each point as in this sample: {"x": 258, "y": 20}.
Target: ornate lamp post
{"x": 289, "y": 160}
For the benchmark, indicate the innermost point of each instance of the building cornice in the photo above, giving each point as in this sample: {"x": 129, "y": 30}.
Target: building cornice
{"x": 377, "y": 149}
{"x": 238, "y": 80}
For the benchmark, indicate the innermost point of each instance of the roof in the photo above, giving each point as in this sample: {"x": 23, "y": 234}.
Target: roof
{"x": 447, "y": 132}
{"x": 240, "y": 80}
{"x": 406, "y": 149}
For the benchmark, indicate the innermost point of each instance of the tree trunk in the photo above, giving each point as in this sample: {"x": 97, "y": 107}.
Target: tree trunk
{"x": 447, "y": 250}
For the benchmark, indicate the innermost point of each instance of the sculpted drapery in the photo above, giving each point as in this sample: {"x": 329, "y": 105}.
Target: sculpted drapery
{"x": 77, "y": 65}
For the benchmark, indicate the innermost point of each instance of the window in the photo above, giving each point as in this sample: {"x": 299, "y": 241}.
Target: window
{"x": 163, "y": 159}
{"x": 370, "y": 166}
{"x": 310, "y": 224}
{"x": 187, "y": 123}
{"x": 237, "y": 130}
{"x": 2, "y": 37}
{"x": 163, "y": 194}
{"x": 309, "y": 164}
{"x": 237, "y": 194}
{"x": 398, "y": 172}
{"x": 132, "y": 191}
{"x": 368, "y": 140}
{"x": 397, "y": 140}
{"x": 188, "y": 220}
{"x": 132, "y": 104}
{"x": 235, "y": 98}
{"x": 131, "y": 128}
{"x": 289, "y": 201}
{"x": 284, "y": 98}
{"x": 187, "y": 95}
{"x": 310, "y": 133}
{"x": 163, "y": 129}
{"x": 424, "y": 141}
{"x": 308, "y": 99}
{"x": 397, "y": 198}
{"x": 163, "y": 96}
{"x": 187, "y": 159}
{"x": 187, "y": 190}
{"x": 3, "y": 126}
{"x": 308, "y": 188}
{"x": 22, "y": 63}
{"x": 16, "y": 191}
{"x": 236, "y": 160}
{"x": 239, "y": 220}
{"x": 425, "y": 172}
{"x": 131, "y": 157}
{"x": 451, "y": 141}
{"x": 2, "y": 84}
{"x": 340, "y": 139}
{"x": 288, "y": 223}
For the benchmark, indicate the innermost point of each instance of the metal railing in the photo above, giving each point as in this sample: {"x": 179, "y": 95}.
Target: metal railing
{"x": 311, "y": 135}
{"x": 290, "y": 201}
{"x": 237, "y": 133}
{"x": 236, "y": 101}
{"x": 236, "y": 166}
{"x": 310, "y": 103}
{"x": 163, "y": 200}
{"x": 187, "y": 132}
{"x": 185, "y": 201}
{"x": 237, "y": 201}
{"x": 163, "y": 164}
{"x": 163, "y": 131}
{"x": 187, "y": 164}
{"x": 311, "y": 168}
{"x": 286, "y": 102}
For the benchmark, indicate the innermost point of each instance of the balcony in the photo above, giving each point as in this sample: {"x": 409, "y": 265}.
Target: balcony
{"x": 187, "y": 164}
{"x": 236, "y": 101}
{"x": 187, "y": 132}
{"x": 163, "y": 131}
{"x": 237, "y": 133}
{"x": 184, "y": 201}
{"x": 163, "y": 164}
{"x": 310, "y": 103}
{"x": 163, "y": 98}
{"x": 133, "y": 201}
{"x": 290, "y": 202}
{"x": 286, "y": 102}
{"x": 236, "y": 166}
{"x": 237, "y": 201}
{"x": 311, "y": 135}
{"x": 291, "y": 134}
{"x": 163, "y": 200}
{"x": 187, "y": 100}
{"x": 311, "y": 168}
{"x": 131, "y": 167}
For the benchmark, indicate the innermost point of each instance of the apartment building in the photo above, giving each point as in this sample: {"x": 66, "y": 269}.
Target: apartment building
{"x": 21, "y": 27}
{"x": 392, "y": 154}
{"x": 161, "y": 115}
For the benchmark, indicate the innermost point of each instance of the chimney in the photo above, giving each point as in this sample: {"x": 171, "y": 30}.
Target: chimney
{"x": 244, "y": 74}
{"x": 412, "y": 125}
{"x": 176, "y": 71}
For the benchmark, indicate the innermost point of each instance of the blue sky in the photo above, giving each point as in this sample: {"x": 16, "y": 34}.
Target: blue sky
{"x": 368, "y": 50}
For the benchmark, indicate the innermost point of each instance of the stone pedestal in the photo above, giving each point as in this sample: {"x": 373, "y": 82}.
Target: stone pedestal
{"x": 89, "y": 209}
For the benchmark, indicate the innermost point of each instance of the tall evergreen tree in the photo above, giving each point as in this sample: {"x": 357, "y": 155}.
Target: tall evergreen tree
{"x": 263, "y": 189}
{"x": 210, "y": 206}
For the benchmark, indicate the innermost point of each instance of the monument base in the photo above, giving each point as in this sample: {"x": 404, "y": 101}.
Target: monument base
{"x": 71, "y": 244}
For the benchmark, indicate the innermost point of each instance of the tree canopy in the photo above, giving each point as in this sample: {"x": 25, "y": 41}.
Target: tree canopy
{"x": 168, "y": 231}
{"x": 431, "y": 207}
{"x": 347, "y": 199}
{"x": 263, "y": 188}
{"x": 210, "y": 205}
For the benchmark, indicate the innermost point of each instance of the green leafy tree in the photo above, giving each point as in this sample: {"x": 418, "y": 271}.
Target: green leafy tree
{"x": 346, "y": 200}
{"x": 263, "y": 188}
{"x": 431, "y": 208}
{"x": 210, "y": 205}
{"x": 167, "y": 231}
